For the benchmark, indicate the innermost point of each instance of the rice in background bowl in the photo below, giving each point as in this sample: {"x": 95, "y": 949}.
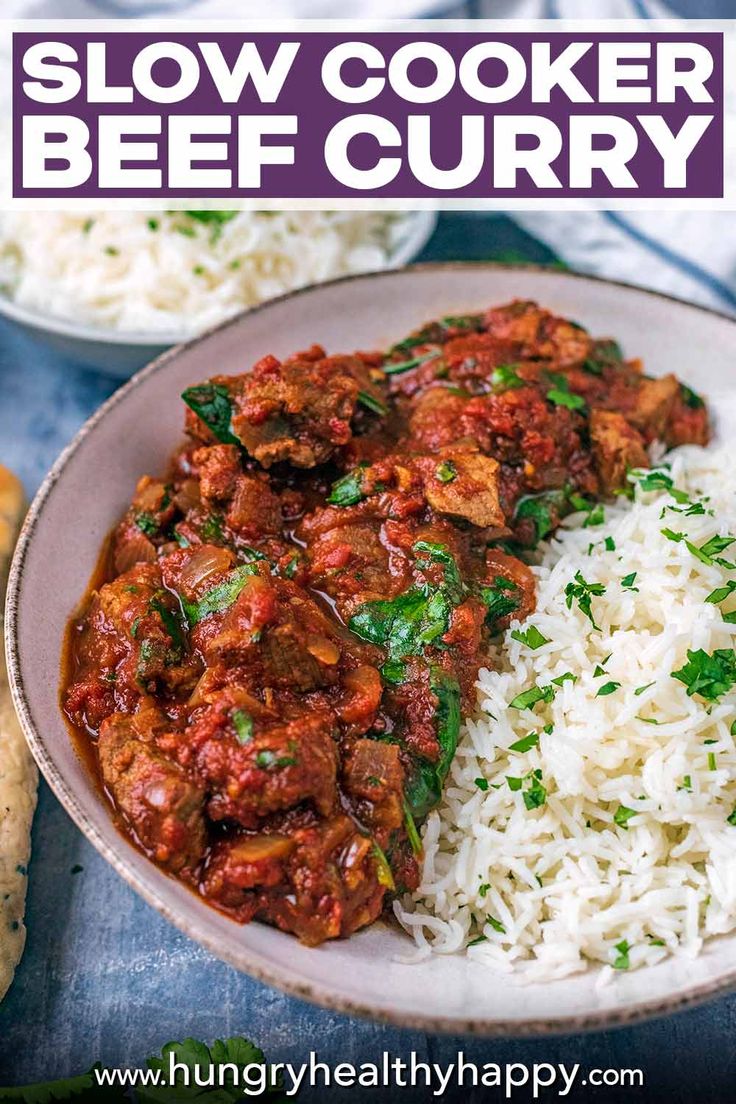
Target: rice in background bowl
{"x": 177, "y": 273}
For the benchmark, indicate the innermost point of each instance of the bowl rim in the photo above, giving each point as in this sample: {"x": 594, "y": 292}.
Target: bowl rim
{"x": 248, "y": 961}
{"x": 422, "y": 225}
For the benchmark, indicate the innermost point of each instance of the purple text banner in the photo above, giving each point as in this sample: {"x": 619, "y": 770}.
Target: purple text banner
{"x": 425, "y": 115}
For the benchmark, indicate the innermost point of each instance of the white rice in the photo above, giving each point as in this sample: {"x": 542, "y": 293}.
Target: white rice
{"x": 564, "y": 881}
{"x": 169, "y": 273}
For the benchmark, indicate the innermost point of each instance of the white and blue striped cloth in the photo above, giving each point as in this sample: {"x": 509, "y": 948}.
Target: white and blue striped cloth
{"x": 686, "y": 253}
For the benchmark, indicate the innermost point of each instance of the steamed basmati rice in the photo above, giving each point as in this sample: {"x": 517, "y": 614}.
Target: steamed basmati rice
{"x": 630, "y": 854}
{"x": 174, "y": 274}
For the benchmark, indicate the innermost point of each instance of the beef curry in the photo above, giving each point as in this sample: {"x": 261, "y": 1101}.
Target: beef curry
{"x": 272, "y": 673}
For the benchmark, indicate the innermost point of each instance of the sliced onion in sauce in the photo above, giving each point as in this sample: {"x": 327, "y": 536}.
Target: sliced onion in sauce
{"x": 204, "y": 561}
{"x": 188, "y": 496}
{"x": 132, "y": 549}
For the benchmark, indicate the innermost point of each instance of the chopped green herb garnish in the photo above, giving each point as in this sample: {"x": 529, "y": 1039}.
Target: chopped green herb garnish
{"x": 640, "y": 689}
{"x": 423, "y": 787}
{"x": 267, "y": 759}
{"x": 478, "y": 939}
{"x": 514, "y": 783}
{"x": 372, "y": 403}
{"x": 218, "y": 218}
{"x": 506, "y": 378}
{"x": 690, "y": 397}
{"x": 147, "y": 524}
{"x": 623, "y": 815}
{"x": 621, "y": 962}
{"x": 543, "y": 509}
{"x": 153, "y": 224}
{"x": 658, "y": 480}
{"x": 536, "y": 795}
{"x": 496, "y": 924}
{"x": 567, "y": 677}
{"x": 561, "y": 395}
{"x": 721, "y": 593}
{"x": 531, "y": 637}
{"x": 347, "y": 491}
{"x": 243, "y": 726}
{"x": 687, "y": 784}
{"x": 482, "y": 784}
{"x": 530, "y": 697}
{"x": 608, "y": 688}
{"x": 383, "y": 868}
{"x": 212, "y": 528}
{"x": 446, "y": 471}
{"x": 628, "y": 581}
{"x": 712, "y": 761}
{"x": 483, "y": 889}
{"x": 411, "y": 831}
{"x": 393, "y": 368}
{"x": 710, "y": 676}
{"x": 582, "y": 591}
{"x": 609, "y": 544}
{"x": 731, "y": 819}
{"x": 526, "y": 743}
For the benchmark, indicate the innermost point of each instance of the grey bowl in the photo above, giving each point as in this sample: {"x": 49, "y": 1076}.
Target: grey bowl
{"x": 134, "y": 432}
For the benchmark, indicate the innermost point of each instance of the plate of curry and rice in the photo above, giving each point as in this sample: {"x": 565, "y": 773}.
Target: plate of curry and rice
{"x": 403, "y": 678}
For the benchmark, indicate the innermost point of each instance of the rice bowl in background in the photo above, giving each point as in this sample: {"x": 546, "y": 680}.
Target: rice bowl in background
{"x": 114, "y": 289}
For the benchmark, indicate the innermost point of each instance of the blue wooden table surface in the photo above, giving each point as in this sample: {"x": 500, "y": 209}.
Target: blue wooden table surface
{"x": 105, "y": 978}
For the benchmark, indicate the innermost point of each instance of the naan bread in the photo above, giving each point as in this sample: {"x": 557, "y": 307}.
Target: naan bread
{"x": 18, "y": 776}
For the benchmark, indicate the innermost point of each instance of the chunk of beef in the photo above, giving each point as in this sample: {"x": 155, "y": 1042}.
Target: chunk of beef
{"x": 275, "y": 632}
{"x": 333, "y": 883}
{"x": 162, "y": 806}
{"x": 538, "y": 333}
{"x": 239, "y": 865}
{"x": 321, "y": 883}
{"x": 218, "y": 468}
{"x": 143, "y": 527}
{"x": 255, "y": 766}
{"x": 299, "y": 409}
{"x": 617, "y": 446}
{"x": 463, "y": 483}
{"x": 373, "y": 777}
{"x": 129, "y": 641}
{"x": 655, "y": 401}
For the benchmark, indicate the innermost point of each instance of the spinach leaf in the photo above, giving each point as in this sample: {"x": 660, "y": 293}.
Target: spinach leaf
{"x": 407, "y": 624}
{"x": 691, "y": 398}
{"x": 370, "y": 402}
{"x": 423, "y": 787}
{"x": 439, "y": 553}
{"x": 498, "y": 599}
{"x": 171, "y": 624}
{"x": 212, "y": 403}
{"x": 347, "y": 491}
{"x": 221, "y": 597}
{"x": 544, "y": 510}
{"x": 604, "y": 355}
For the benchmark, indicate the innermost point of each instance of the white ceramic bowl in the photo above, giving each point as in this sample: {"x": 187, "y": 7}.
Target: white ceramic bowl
{"x": 120, "y": 353}
{"x": 134, "y": 432}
